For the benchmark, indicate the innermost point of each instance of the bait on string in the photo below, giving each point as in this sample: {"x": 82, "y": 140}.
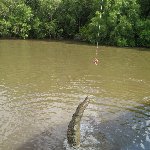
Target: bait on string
{"x": 96, "y": 61}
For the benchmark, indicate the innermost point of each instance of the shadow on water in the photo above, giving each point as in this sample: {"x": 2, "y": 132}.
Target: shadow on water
{"x": 143, "y": 49}
{"x": 129, "y": 131}
{"x": 82, "y": 43}
{"x": 65, "y": 41}
{"x": 50, "y": 139}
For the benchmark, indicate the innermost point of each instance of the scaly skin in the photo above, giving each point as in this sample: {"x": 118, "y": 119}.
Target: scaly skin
{"x": 73, "y": 132}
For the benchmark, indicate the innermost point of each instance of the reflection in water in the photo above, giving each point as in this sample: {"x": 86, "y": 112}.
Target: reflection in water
{"x": 42, "y": 82}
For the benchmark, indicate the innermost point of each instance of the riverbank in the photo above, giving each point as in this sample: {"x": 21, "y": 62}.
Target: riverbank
{"x": 79, "y": 42}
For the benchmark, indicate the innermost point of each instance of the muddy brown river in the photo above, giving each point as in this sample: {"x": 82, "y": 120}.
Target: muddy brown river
{"x": 42, "y": 83}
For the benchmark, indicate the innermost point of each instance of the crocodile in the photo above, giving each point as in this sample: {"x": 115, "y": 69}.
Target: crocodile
{"x": 73, "y": 132}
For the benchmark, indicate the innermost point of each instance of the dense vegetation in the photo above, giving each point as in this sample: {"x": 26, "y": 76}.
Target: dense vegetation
{"x": 118, "y": 22}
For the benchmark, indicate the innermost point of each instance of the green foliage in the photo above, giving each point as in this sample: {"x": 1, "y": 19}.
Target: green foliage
{"x": 16, "y": 19}
{"x": 5, "y": 28}
{"x": 5, "y": 24}
{"x": 20, "y": 20}
{"x": 144, "y": 8}
{"x": 43, "y": 24}
{"x": 119, "y": 22}
{"x": 91, "y": 31}
{"x": 120, "y": 34}
{"x": 74, "y": 14}
{"x": 143, "y": 33}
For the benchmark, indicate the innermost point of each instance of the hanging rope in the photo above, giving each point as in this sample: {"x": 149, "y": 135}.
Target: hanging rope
{"x": 100, "y": 16}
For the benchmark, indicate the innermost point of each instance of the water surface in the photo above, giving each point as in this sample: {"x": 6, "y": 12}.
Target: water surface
{"x": 42, "y": 82}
